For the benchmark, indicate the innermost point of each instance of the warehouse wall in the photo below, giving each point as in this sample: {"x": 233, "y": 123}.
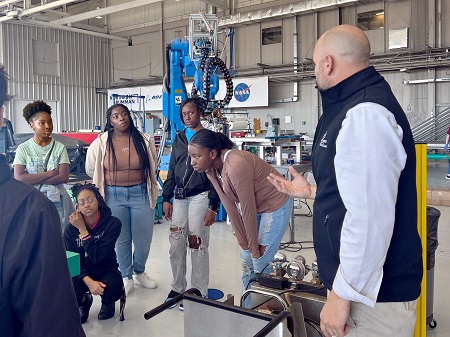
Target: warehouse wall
{"x": 84, "y": 65}
{"x": 153, "y": 26}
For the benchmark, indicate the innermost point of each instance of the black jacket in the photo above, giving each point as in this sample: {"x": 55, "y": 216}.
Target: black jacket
{"x": 181, "y": 174}
{"x": 402, "y": 271}
{"x": 36, "y": 293}
{"x": 96, "y": 253}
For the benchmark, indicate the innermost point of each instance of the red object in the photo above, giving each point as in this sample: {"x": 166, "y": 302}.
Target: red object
{"x": 238, "y": 134}
{"x": 87, "y": 137}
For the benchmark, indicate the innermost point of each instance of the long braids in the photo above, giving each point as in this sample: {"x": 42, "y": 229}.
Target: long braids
{"x": 138, "y": 141}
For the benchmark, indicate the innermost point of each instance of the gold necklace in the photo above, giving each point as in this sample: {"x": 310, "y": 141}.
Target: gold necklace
{"x": 124, "y": 149}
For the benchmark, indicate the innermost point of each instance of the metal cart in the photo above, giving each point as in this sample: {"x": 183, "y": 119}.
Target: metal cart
{"x": 208, "y": 318}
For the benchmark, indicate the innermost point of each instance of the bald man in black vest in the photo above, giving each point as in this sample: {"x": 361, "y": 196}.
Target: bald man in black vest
{"x": 365, "y": 233}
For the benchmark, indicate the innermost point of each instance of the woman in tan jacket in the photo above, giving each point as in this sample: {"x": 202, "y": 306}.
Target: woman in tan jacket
{"x": 122, "y": 164}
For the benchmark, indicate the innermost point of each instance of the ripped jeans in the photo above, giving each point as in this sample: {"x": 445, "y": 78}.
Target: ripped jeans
{"x": 188, "y": 230}
{"x": 271, "y": 228}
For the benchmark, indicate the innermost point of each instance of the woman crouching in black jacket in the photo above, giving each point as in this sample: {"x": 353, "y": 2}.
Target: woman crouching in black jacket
{"x": 93, "y": 233}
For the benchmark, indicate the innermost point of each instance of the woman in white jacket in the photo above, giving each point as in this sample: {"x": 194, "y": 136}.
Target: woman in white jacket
{"x": 122, "y": 164}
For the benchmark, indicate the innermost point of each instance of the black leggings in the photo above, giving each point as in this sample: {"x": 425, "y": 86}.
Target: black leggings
{"x": 113, "y": 289}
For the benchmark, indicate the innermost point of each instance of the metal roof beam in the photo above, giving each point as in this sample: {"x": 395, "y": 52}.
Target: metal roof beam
{"x": 217, "y": 3}
{"x": 104, "y": 11}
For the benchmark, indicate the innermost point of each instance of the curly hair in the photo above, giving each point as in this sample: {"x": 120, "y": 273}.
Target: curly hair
{"x": 77, "y": 188}
{"x": 35, "y": 107}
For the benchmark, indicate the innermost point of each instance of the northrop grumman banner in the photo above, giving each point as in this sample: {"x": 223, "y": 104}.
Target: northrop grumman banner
{"x": 134, "y": 98}
{"x": 247, "y": 93}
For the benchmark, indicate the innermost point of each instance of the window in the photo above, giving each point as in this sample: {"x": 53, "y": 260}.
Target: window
{"x": 272, "y": 35}
{"x": 371, "y": 20}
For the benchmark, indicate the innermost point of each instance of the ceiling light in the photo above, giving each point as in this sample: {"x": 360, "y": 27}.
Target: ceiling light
{"x": 98, "y": 16}
{"x": 379, "y": 13}
{"x": 403, "y": 69}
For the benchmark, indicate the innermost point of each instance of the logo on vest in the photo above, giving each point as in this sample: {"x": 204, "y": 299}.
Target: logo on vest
{"x": 323, "y": 141}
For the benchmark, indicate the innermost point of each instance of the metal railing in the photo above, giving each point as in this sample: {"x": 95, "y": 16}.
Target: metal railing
{"x": 433, "y": 128}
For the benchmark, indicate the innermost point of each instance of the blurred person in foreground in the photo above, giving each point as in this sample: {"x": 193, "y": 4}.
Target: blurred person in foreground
{"x": 368, "y": 248}
{"x": 36, "y": 293}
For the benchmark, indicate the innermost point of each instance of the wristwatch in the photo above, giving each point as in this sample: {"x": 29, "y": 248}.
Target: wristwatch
{"x": 213, "y": 208}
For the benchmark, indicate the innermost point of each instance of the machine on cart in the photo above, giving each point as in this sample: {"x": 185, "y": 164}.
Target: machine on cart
{"x": 282, "y": 305}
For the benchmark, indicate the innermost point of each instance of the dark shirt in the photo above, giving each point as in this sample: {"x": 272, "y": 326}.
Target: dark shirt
{"x": 36, "y": 293}
{"x": 181, "y": 174}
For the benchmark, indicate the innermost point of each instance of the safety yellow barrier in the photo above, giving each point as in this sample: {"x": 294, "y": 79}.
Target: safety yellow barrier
{"x": 421, "y": 181}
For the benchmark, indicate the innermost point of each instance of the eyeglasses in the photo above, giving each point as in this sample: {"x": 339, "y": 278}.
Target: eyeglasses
{"x": 117, "y": 115}
{"x": 88, "y": 201}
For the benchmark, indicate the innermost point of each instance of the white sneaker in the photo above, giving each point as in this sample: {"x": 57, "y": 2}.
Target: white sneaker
{"x": 145, "y": 281}
{"x": 128, "y": 283}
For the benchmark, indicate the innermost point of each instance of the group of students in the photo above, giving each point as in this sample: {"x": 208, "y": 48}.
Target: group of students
{"x": 117, "y": 209}
{"x": 122, "y": 164}
{"x": 370, "y": 261}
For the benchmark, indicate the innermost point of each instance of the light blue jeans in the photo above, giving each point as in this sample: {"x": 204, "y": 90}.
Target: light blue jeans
{"x": 271, "y": 228}
{"x": 132, "y": 208}
{"x": 188, "y": 216}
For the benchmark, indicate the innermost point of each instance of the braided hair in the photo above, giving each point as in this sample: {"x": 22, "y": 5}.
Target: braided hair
{"x": 138, "y": 141}
{"x": 77, "y": 188}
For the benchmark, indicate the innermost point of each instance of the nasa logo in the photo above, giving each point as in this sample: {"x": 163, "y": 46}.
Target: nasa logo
{"x": 242, "y": 92}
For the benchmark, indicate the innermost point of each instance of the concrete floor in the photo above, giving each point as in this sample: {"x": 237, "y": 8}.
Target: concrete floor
{"x": 225, "y": 275}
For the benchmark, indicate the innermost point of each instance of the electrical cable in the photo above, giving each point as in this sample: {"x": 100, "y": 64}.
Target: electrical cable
{"x": 314, "y": 325}
{"x": 290, "y": 246}
{"x": 252, "y": 280}
{"x": 309, "y": 214}
{"x": 271, "y": 298}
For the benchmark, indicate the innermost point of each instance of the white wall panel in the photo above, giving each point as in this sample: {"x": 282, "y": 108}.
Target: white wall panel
{"x": 445, "y": 22}
{"x": 327, "y": 20}
{"x": 248, "y": 45}
{"x": 139, "y": 61}
{"x": 84, "y": 66}
{"x": 307, "y": 31}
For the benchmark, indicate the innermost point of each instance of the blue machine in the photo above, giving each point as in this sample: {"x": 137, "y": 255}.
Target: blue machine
{"x": 196, "y": 57}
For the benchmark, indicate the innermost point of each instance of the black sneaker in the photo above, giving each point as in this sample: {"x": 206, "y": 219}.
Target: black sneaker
{"x": 85, "y": 307}
{"x": 107, "y": 311}
{"x": 171, "y": 295}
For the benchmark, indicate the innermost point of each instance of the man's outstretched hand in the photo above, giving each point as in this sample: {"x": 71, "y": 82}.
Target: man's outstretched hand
{"x": 298, "y": 187}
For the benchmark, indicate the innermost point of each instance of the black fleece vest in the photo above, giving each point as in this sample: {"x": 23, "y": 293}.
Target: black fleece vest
{"x": 402, "y": 271}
